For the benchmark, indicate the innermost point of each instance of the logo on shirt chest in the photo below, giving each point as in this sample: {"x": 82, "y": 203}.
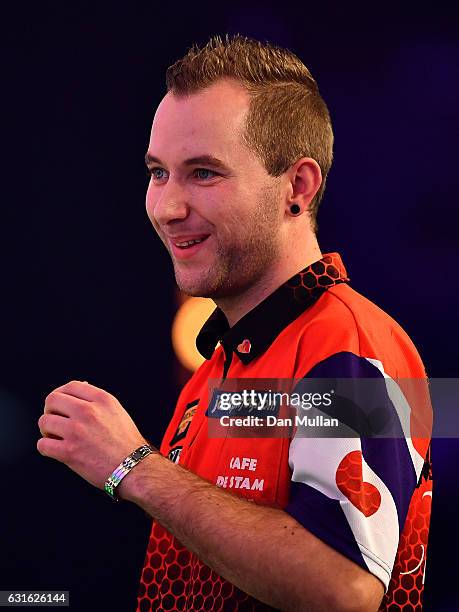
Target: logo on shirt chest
{"x": 185, "y": 422}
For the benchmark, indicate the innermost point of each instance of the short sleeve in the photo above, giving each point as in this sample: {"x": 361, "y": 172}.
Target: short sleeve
{"x": 353, "y": 491}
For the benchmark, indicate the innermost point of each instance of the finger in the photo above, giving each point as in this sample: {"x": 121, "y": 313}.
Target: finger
{"x": 63, "y": 404}
{"x": 82, "y": 390}
{"x": 55, "y": 449}
{"x": 54, "y": 425}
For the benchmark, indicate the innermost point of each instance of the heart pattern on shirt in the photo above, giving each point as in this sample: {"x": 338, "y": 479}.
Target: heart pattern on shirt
{"x": 349, "y": 480}
{"x": 244, "y": 346}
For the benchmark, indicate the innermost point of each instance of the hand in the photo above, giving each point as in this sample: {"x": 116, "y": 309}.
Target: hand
{"x": 87, "y": 429}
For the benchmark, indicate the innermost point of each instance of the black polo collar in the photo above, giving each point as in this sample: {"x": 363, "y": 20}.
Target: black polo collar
{"x": 257, "y": 330}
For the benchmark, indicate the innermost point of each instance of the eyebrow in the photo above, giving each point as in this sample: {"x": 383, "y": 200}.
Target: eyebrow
{"x": 206, "y": 160}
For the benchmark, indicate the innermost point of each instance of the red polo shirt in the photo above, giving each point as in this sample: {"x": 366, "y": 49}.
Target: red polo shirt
{"x": 367, "y": 497}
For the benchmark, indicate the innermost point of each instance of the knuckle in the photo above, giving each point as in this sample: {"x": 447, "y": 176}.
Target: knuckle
{"x": 86, "y": 413}
{"x": 100, "y": 396}
{"x": 75, "y": 433}
{"x": 110, "y": 402}
{"x": 73, "y": 383}
{"x": 43, "y": 422}
{"x": 51, "y": 397}
{"x": 68, "y": 450}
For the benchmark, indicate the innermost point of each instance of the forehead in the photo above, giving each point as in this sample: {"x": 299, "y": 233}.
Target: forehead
{"x": 209, "y": 121}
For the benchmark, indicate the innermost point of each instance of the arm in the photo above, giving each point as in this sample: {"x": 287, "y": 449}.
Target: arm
{"x": 261, "y": 550}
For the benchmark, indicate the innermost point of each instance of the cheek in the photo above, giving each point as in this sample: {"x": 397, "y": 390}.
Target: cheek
{"x": 150, "y": 203}
{"x": 232, "y": 212}
{"x": 209, "y": 206}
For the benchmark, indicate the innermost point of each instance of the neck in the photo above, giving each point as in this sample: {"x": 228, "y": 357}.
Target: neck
{"x": 286, "y": 266}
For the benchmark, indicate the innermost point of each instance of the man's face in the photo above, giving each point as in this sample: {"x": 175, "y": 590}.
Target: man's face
{"x": 232, "y": 207}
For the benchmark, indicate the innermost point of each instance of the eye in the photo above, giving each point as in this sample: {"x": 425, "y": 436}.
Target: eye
{"x": 203, "y": 173}
{"x": 156, "y": 173}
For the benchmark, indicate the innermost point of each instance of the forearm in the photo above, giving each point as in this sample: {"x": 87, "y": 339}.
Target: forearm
{"x": 261, "y": 550}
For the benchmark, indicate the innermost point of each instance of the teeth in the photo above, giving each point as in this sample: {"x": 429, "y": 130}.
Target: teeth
{"x": 184, "y": 244}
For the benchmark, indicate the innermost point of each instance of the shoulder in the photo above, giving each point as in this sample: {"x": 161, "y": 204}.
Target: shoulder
{"x": 345, "y": 321}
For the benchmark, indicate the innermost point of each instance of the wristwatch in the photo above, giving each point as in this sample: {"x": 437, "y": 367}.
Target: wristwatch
{"x": 124, "y": 468}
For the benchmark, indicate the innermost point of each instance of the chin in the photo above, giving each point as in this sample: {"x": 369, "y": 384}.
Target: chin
{"x": 203, "y": 284}
{"x": 190, "y": 279}
{"x": 192, "y": 292}
{"x": 194, "y": 289}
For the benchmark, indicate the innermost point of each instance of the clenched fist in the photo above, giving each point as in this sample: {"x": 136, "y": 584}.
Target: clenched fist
{"x": 87, "y": 429}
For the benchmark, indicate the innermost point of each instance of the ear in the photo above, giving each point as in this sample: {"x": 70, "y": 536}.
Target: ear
{"x": 305, "y": 179}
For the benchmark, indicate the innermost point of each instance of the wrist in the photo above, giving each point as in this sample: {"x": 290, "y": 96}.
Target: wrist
{"x": 130, "y": 462}
{"x": 130, "y": 488}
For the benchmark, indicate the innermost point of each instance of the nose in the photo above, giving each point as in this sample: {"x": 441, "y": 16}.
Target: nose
{"x": 166, "y": 204}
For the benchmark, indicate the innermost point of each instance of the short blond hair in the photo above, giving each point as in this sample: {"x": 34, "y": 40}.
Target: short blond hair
{"x": 287, "y": 119}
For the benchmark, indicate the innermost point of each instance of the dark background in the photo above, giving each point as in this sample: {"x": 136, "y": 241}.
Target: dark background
{"x": 87, "y": 289}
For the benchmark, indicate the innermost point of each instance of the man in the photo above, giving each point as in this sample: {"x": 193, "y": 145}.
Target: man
{"x": 239, "y": 154}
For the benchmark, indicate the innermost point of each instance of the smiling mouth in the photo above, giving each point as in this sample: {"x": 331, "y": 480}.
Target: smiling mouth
{"x": 187, "y": 244}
